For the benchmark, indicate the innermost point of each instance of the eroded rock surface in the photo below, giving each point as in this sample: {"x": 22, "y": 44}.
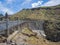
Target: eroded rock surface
{"x": 28, "y": 37}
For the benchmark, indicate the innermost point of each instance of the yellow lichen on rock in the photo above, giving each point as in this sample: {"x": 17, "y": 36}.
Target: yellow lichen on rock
{"x": 32, "y": 40}
{"x": 28, "y": 31}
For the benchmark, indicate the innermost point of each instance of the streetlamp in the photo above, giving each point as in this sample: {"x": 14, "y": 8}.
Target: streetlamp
{"x": 7, "y": 30}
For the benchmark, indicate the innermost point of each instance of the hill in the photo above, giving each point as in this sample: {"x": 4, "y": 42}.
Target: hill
{"x": 42, "y": 13}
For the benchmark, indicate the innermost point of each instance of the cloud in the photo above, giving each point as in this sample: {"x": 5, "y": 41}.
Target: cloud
{"x": 51, "y": 3}
{"x": 10, "y": 1}
{"x": 26, "y": 2}
{"x": 37, "y": 4}
{"x": 5, "y": 9}
{"x": 48, "y": 3}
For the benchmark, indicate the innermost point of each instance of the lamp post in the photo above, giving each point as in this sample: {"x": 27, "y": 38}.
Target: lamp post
{"x": 7, "y": 30}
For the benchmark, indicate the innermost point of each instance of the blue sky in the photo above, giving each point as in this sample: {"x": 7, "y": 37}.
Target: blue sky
{"x": 14, "y": 6}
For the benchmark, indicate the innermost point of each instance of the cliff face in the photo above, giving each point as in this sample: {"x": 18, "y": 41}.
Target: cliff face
{"x": 52, "y": 30}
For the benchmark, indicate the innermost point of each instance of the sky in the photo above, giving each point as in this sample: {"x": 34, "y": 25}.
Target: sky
{"x": 14, "y": 6}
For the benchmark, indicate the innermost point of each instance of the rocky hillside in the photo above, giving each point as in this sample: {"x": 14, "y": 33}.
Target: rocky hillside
{"x": 42, "y": 13}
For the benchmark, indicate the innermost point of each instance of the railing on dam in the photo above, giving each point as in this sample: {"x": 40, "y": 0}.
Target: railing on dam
{"x": 15, "y": 23}
{"x": 10, "y": 24}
